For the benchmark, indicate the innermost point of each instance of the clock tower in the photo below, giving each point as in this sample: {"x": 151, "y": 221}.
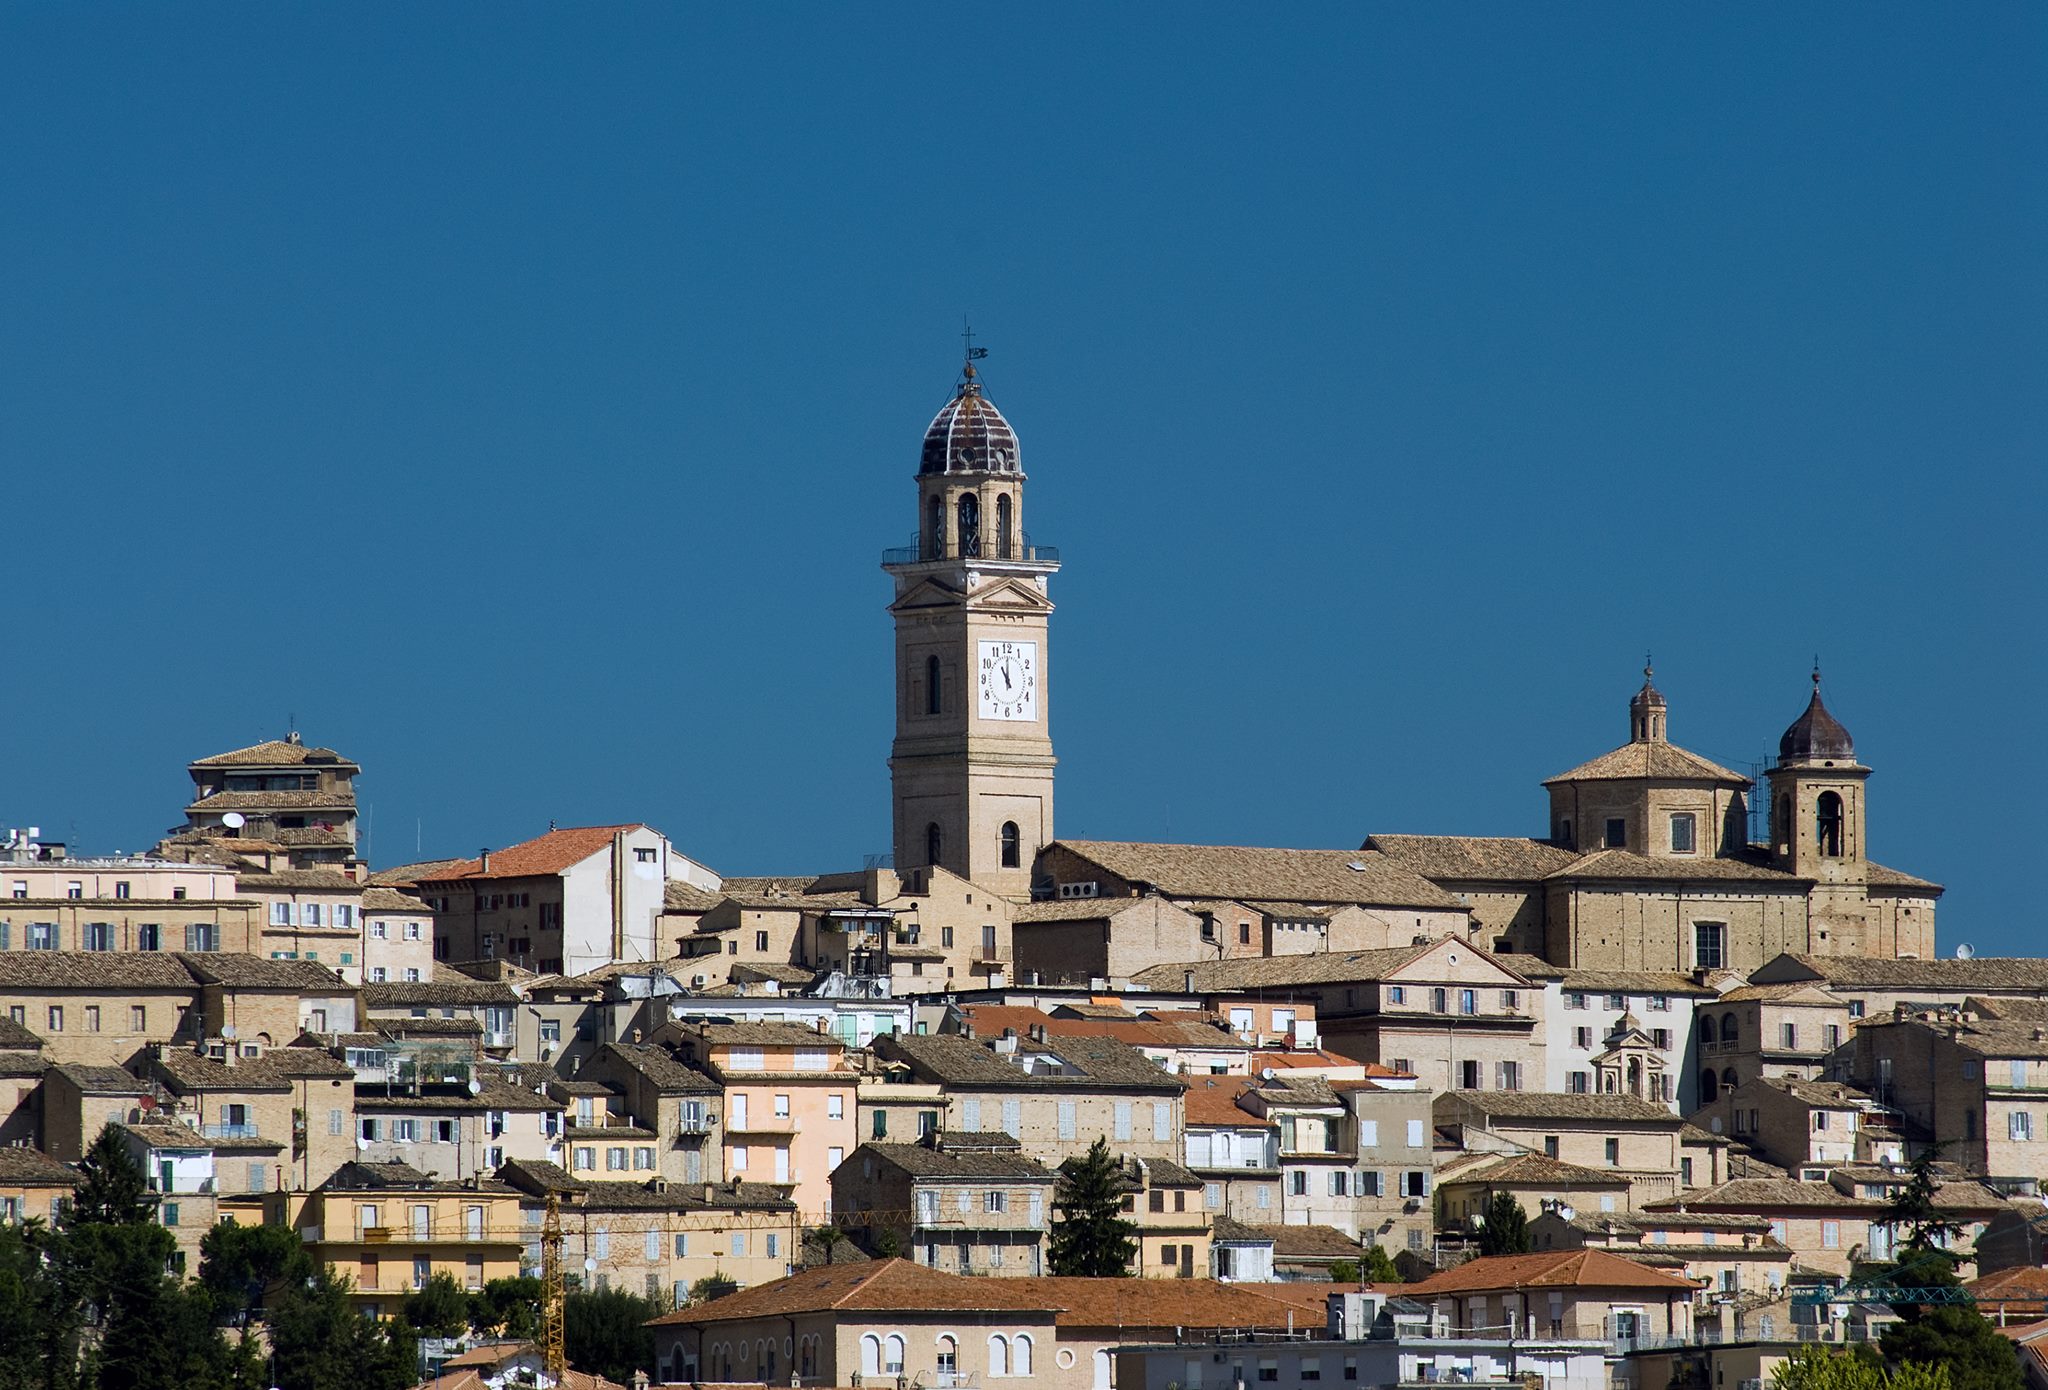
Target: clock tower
{"x": 971, "y": 768}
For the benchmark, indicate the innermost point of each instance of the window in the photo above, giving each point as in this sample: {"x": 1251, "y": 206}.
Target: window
{"x": 1468, "y": 1075}
{"x": 1682, "y": 832}
{"x": 2020, "y": 1126}
{"x": 42, "y": 936}
{"x": 931, "y": 685}
{"x": 1066, "y": 1119}
{"x": 933, "y": 843}
{"x": 998, "y": 1354}
{"x": 412, "y": 974}
{"x": 1511, "y": 999}
{"x": 1468, "y": 1001}
{"x": 1831, "y": 1235}
{"x": 1440, "y": 1001}
{"x": 1617, "y": 833}
{"x": 1582, "y": 1037}
{"x": 586, "y": 1158}
{"x": 412, "y": 931}
{"x": 92, "y": 1018}
{"x": 1244, "y": 933}
{"x": 1820, "y": 1119}
{"x": 1579, "y": 1083}
{"x": 138, "y": 1018}
{"x": 1414, "y": 1183}
{"x": 1828, "y": 824}
{"x": 97, "y": 936}
{"x": 761, "y": 941}
{"x": 1010, "y": 845}
{"x": 56, "y": 1018}
{"x": 1123, "y": 1121}
{"x": 202, "y": 936}
{"x": 379, "y": 931}
{"x": 1000, "y": 1201}
{"x": 1660, "y": 1038}
{"x": 1613, "y": 1147}
{"x": 1709, "y": 945}
{"x": 1508, "y": 1076}
{"x": 170, "y": 1210}
{"x": 1831, "y": 1035}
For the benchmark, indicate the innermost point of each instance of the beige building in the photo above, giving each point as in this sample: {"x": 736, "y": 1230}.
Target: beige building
{"x": 1979, "y": 1082}
{"x": 971, "y": 769}
{"x": 1058, "y": 1096}
{"x": 1806, "y": 1127}
{"x": 677, "y": 1104}
{"x": 1563, "y": 1293}
{"x": 1874, "y": 988}
{"x": 1757, "y": 1031}
{"x": 1735, "y": 1260}
{"x": 398, "y": 938}
{"x": 1648, "y": 865}
{"x": 1468, "y": 1183}
{"x": 279, "y": 791}
{"x": 962, "y": 1203}
{"x": 282, "y": 1118}
{"x": 123, "y": 904}
{"x": 1616, "y": 1134}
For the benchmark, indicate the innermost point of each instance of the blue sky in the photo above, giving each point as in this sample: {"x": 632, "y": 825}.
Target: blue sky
{"x": 520, "y": 398}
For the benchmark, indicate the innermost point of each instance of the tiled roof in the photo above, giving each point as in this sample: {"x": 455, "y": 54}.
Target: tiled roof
{"x": 1212, "y": 1102}
{"x": 1788, "y": 993}
{"x": 885, "y": 1286}
{"x": 1992, "y": 974}
{"x": 406, "y": 875}
{"x": 1309, "y": 1242}
{"x": 254, "y": 972}
{"x": 957, "y": 1061}
{"x": 1882, "y": 876}
{"x": 14, "y": 1037}
{"x": 1545, "y": 1105}
{"x": 2021, "y": 1284}
{"x": 678, "y": 896}
{"x": 412, "y": 994}
{"x": 945, "y": 1161}
{"x": 1268, "y": 972}
{"x": 23, "y": 1167}
{"x": 277, "y": 752}
{"x": 1583, "y": 1269}
{"x": 1760, "y": 1194}
{"x": 102, "y": 1081}
{"x": 1627, "y": 865}
{"x": 312, "y": 837}
{"x": 1278, "y": 875}
{"x": 1631, "y": 982}
{"x": 1535, "y": 1170}
{"x": 186, "y": 1070}
{"x": 1827, "y": 1094}
{"x": 266, "y": 801}
{"x": 1474, "y": 858}
{"x": 767, "y": 1034}
{"x": 379, "y": 899}
{"x": 104, "y": 970}
{"x": 660, "y": 1066}
{"x": 1664, "y": 762}
{"x": 1072, "y": 910}
{"x": 286, "y": 879}
{"x": 552, "y": 853}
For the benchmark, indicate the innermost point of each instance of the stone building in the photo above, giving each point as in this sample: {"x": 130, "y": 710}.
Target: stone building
{"x": 1614, "y": 1133}
{"x": 963, "y": 1203}
{"x": 1648, "y": 865}
{"x": 279, "y": 791}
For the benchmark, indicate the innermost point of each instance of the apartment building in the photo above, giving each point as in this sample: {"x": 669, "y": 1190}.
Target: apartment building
{"x": 1584, "y": 1293}
{"x": 1979, "y": 1082}
{"x": 33, "y": 1184}
{"x": 1617, "y": 1032}
{"x": 281, "y": 791}
{"x": 1058, "y": 1096}
{"x": 123, "y": 903}
{"x": 1871, "y": 986}
{"x": 1468, "y": 1183}
{"x": 287, "y": 1114}
{"x": 678, "y": 1105}
{"x": 1782, "y": 1030}
{"x": 390, "y": 1228}
{"x": 1735, "y": 1260}
{"x": 561, "y": 903}
{"x": 397, "y": 938}
{"x": 786, "y": 1106}
{"x": 1615, "y": 1133}
{"x": 1807, "y": 1127}
{"x": 962, "y": 1203}
{"x": 450, "y": 1122}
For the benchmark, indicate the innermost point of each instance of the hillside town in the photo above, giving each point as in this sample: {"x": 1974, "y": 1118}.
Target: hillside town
{"x": 1634, "y": 1101}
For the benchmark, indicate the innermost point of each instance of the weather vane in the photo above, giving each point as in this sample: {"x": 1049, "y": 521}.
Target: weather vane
{"x": 974, "y": 354}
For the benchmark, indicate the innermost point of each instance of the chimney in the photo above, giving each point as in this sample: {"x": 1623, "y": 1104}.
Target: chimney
{"x": 1038, "y": 1032}
{"x": 1187, "y": 981}
{"x": 484, "y": 860}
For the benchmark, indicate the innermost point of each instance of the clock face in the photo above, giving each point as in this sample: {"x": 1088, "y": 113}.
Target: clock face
{"x": 1007, "y": 676}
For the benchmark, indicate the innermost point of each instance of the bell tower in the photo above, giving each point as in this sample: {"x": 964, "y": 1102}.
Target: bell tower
{"x": 972, "y": 765}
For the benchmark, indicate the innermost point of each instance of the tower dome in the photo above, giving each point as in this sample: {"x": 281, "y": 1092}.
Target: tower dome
{"x": 1646, "y": 711}
{"x": 1816, "y": 734}
{"x": 969, "y": 435}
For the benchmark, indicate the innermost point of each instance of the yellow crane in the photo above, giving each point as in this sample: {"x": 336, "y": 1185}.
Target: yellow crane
{"x": 553, "y": 1358}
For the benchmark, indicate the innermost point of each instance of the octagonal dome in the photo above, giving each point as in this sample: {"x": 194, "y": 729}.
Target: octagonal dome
{"x": 969, "y": 435}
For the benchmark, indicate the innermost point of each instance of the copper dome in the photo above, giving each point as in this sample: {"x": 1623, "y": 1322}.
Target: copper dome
{"x": 969, "y": 435}
{"x": 1816, "y": 734}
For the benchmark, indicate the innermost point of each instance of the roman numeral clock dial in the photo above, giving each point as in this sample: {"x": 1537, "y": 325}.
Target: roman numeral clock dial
{"x": 1007, "y": 674}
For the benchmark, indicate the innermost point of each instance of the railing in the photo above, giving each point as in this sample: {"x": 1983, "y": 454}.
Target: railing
{"x": 767, "y": 1124}
{"x": 990, "y": 955}
{"x": 990, "y": 547}
{"x": 182, "y": 1188}
{"x": 695, "y": 1124}
{"x": 246, "y": 1130}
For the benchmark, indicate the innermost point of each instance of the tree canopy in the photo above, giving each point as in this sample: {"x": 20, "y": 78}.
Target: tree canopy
{"x": 1089, "y": 1233}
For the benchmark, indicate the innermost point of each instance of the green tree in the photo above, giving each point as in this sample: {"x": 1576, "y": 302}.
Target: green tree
{"x": 507, "y": 1307}
{"x": 605, "y": 1333}
{"x": 112, "y": 1188}
{"x": 1811, "y": 1368}
{"x": 1506, "y": 1231}
{"x": 39, "y": 1321}
{"x": 323, "y": 1343}
{"x": 1343, "y": 1271}
{"x": 437, "y": 1308}
{"x": 240, "y": 1265}
{"x": 713, "y": 1287}
{"x": 1378, "y": 1266}
{"x": 1928, "y": 1232}
{"x": 1089, "y": 1233}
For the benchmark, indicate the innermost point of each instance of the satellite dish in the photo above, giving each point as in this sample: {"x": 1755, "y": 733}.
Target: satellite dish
{"x": 588, "y": 1264}
{"x": 1566, "y": 1212}
{"x": 227, "y": 1030}
{"x": 476, "y": 1087}
{"x": 1965, "y": 951}
{"x": 234, "y": 820}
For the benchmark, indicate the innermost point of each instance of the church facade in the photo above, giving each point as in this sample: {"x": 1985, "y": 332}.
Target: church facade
{"x": 1646, "y": 864}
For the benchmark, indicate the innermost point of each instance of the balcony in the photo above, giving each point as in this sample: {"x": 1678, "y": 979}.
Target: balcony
{"x": 929, "y": 551}
{"x": 695, "y": 1125}
{"x": 246, "y": 1130}
{"x": 990, "y": 955}
{"x": 768, "y": 1124}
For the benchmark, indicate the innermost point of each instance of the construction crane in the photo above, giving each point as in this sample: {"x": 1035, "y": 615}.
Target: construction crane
{"x": 554, "y": 1359}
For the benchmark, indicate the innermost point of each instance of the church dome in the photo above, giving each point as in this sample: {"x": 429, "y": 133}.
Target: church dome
{"x": 1816, "y": 734}
{"x": 969, "y": 435}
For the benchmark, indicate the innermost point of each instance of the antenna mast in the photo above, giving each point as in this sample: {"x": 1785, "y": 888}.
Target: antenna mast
{"x": 553, "y": 1359}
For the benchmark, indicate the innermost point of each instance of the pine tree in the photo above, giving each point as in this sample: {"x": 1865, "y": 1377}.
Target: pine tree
{"x": 1089, "y": 1233}
{"x": 1506, "y": 1231}
{"x": 113, "y": 1190}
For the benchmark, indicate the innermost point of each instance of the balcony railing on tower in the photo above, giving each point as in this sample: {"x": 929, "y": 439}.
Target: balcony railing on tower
{"x": 926, "y": 548}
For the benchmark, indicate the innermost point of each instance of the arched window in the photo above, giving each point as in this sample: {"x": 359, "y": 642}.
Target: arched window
{"x": 1101, "y": 1368}
{"x": 1727, "y": 1078}
{"x": 970, "y": 524}
{"x": 931, "y": 685}
{"x": 949, "y": 1356}
{"x": 1003, "y": 519}
{"x": 1710, "y": 1086}
{"x": 1729, "y": 1032}
{"x": 1020, "y": 1356}
{"x": 1782, "y": 827}
{"x": 933, "y": 843}
{"x": 871, "y": 1355}
{"x": 1828, "y": 824}
{"x": 1011, "y": 853}
{"x": 1706, "y": 1028}
{"x": 998, "y": 1354}
{"x": 892, "y": 1355}
{"x": 935, "y": 530}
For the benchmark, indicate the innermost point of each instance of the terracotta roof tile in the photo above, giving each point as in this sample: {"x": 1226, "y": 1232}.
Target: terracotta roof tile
{"x": 1474, "y": 858}
{"x": 265, "y": 801}
{"x": 551, "y": 853}
{"x": 1664, "y": 762}
{"x": 1992, "y": 974}
{"x": 1545, "y": 1105}
{"x": 277, "y": 752}
{"x": 1267, "y": 972}
{"x": 1595, "y": 1269}
{"x": 1627, "y": 865}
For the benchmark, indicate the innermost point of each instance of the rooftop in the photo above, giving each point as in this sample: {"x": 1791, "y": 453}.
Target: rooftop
{"x": 1552, "y": 1269}
{"x": 1237, "y": 872}
{"x": 552, "y": 853}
